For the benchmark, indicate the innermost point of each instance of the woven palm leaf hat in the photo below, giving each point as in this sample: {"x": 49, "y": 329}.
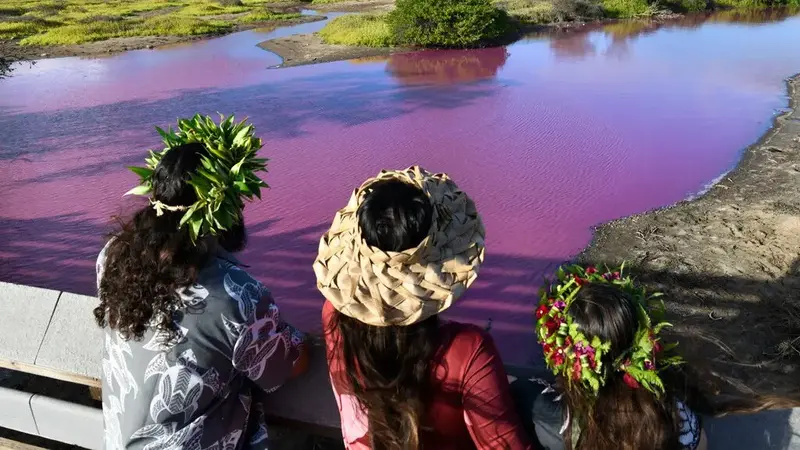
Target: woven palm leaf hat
{"x": 382, "y": 288}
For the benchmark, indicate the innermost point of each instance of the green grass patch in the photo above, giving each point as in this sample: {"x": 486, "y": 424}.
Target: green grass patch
{"x": 152, "y": 26}
{"x": 14, "y": 30}
{"x": 267, "y": 16}
{"x": 325, "y": 2}
{"x": 64, "y": 22}
{"x": 211, "y": 9}
{"x": 527, "y": 11}
{"x": 625, "y": 9}
{"x": 370, "y": 30}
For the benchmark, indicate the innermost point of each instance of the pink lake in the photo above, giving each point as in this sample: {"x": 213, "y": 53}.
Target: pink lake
{"x": 551, "y": 136}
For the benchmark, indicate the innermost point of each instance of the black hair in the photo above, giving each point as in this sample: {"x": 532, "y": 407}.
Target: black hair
{"x": 393, "y": 363}
{"x": 150, "y": 257}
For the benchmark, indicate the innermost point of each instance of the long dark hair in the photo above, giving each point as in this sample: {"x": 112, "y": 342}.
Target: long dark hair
{"x": 149, "y": 258}
{"x": 389, "y": 368}
{"x": 621, "y": 418}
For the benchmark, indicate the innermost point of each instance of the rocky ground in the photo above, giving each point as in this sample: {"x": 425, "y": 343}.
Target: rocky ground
{"x": 729, "y": 263}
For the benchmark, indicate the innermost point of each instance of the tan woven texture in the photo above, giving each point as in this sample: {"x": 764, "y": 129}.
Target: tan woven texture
{"x": 389, "y": 288}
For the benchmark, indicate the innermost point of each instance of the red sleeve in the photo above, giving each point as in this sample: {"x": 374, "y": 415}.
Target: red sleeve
{"x": 489, "y": 409}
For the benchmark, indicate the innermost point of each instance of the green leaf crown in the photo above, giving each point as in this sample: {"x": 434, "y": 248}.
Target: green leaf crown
{"x": 579, "y": 359}
{"x": 226, "y": 175}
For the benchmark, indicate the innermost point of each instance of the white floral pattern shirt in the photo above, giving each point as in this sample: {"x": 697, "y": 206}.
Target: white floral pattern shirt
{"x": 198, "y": 393}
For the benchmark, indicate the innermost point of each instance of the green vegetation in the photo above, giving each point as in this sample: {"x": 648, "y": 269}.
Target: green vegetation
{"x": 448, "y": 23}
{"x": 61, "y": 22}
{"x": 551, "y": 11}
{"x": 628, "y": 8}
{"x": 424, "y": 23}
{"x": 371, "y": 30}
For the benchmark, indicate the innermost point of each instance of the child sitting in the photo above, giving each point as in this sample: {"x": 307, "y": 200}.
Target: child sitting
{"x": 620, "y": 386}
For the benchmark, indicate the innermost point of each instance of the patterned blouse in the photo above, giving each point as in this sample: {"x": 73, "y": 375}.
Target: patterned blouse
{"x": 197, "y": 393}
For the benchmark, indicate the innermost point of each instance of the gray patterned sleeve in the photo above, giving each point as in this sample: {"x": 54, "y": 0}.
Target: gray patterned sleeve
{"x": 265, "y": 347}
{"x": 690, "y": 427}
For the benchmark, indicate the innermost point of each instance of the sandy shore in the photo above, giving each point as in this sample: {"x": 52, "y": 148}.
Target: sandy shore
{"x": 305, "y": 49}
{"x": 729, "y": 263}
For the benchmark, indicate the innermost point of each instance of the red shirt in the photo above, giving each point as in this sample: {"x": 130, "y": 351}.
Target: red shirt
{"x": 472, "y": 407}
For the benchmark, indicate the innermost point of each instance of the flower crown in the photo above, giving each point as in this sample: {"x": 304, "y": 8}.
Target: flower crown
{"x": 226, "y": 175}
{"x": 578, "y": 358}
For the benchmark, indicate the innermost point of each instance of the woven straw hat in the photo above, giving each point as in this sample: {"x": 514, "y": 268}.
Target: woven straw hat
{"x": 401, "y": 288}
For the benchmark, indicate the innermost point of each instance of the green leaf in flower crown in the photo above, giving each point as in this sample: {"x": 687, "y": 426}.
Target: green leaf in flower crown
{"x": 196, "y": 224}
{"x": 143, "y": 172}
{"x": 139, "y": 190}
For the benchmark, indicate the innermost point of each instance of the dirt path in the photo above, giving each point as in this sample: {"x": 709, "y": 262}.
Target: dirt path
{"x": 729, "y": 263}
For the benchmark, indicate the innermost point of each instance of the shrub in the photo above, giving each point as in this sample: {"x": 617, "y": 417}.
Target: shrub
{"x": 624, "y": 9}
{"x": 448, "y": 23}
{"x": 369, "y": 30}
{"x": 549, "y": 11}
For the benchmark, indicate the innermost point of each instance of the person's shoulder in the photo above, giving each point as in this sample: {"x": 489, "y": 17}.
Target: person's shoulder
{"x": 231, "y": 290}
{"x": 465, "y": 334}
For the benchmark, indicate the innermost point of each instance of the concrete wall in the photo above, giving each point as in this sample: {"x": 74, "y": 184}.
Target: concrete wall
{"x": 49, "y": 332}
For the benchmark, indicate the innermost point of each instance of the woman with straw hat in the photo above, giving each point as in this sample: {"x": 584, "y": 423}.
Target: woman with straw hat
{"x": 404, "y": 249}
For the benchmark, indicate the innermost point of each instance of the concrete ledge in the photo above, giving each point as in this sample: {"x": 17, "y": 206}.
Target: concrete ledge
{"x": 768, "y": 430}
{"x": 32, "y": 308}
{"x": 307, "y": 400}
{"x": 68, "y": 422}
{"x": 61, "y": 324}
{"x": 73, "y": 342}
{"x": 15, "y": 411}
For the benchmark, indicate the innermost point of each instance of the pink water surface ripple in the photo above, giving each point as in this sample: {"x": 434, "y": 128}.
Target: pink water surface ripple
{"x": 550, "y": 136}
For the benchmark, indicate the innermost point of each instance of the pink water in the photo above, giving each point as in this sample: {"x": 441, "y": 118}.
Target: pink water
{"x": 550, "y": 136}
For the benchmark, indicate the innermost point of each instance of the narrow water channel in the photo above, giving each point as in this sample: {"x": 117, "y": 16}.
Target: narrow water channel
{"x": 551, "y": 135}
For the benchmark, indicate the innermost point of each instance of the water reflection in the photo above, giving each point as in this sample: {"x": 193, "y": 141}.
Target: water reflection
{"x": 558, "y": 145}
{"x": 589, "y": 40}
{"x": 446, "y": 67}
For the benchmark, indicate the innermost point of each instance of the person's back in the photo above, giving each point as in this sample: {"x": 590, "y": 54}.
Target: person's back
{"x": 469, "y": 405}
{"x": 190, "y": 338}
{"x": 409, "y": 244}
{"x": 620, "y": 387}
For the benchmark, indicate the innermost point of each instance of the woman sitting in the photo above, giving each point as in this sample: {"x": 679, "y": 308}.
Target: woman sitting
{"x": 622, "y": 389}
{"x": 407, "y": 246}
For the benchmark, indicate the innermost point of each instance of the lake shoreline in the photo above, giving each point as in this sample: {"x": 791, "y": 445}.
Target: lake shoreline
{"x": 729, "y": 265}
{"x": 115, "y": 46}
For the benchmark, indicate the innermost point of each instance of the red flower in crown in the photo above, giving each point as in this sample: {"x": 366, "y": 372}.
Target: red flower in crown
{"x": 552, "y": 325}
{"x": 557, "y": 358}
{"x": 547, "y": 348}
{"x": 568, "y": 342}
{"x": 592, "y": 362}
{"x": 590, "y": 270}
{"x": 578, "y": 280}
{"x": 657, "y": 347}
{"x": 576, "y": 370}
{"x": 541, "y": 311}
{"x": 632, "y": 383}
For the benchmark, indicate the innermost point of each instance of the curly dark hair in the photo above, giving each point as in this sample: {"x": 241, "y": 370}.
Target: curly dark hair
{"x": 149, "y": 258}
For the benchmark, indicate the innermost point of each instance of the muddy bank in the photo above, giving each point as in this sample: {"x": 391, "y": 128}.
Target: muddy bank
{"x": 305, "y": 49}
{"x": 729, "y": 264}
{"x": 119, "y": 45}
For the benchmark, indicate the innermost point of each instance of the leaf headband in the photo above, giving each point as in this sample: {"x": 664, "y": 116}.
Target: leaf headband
{"x": 226, "y": 174}
{"x": 578, "y": 358}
